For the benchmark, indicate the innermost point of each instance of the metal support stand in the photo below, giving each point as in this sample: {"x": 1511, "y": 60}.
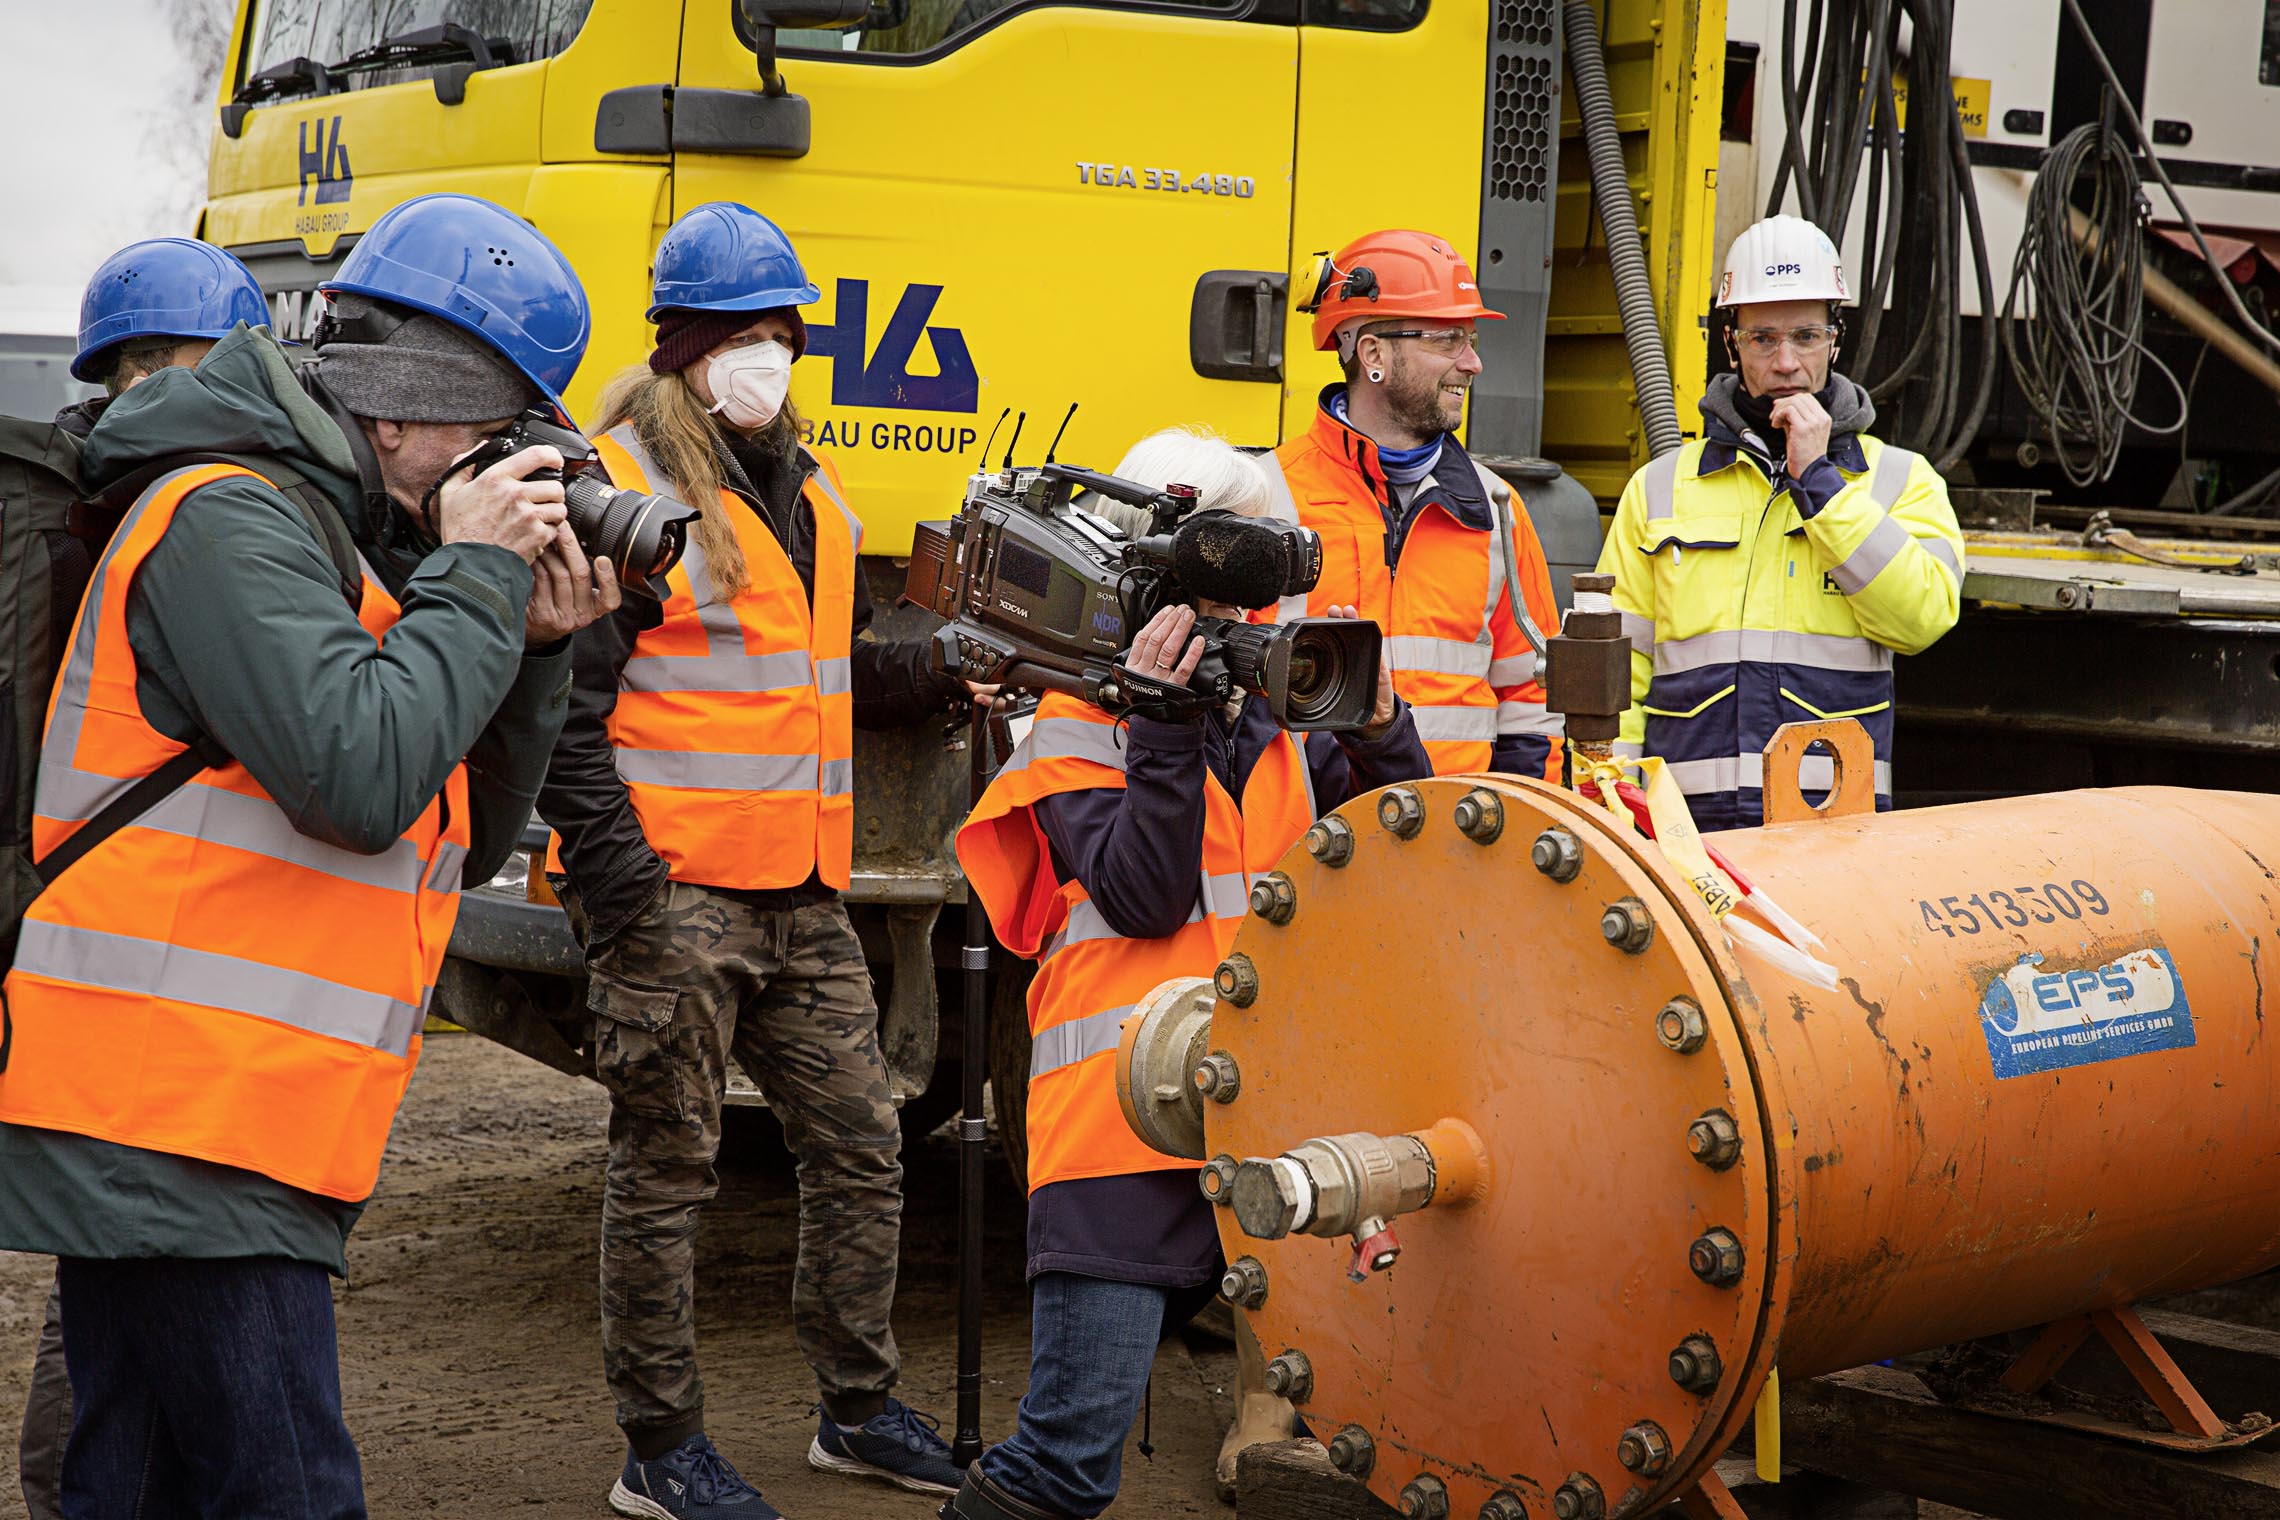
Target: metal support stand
{"x": 973, "y": 1130}
{"x": 2133, "y": 1344}
{"x": 1710, "y": 1499}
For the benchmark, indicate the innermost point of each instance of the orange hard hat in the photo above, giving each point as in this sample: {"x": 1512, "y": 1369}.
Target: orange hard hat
{"x": 1389, "y": 274}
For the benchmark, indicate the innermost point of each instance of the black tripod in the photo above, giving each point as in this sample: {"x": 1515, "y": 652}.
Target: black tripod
{"x": 985, "y": 727}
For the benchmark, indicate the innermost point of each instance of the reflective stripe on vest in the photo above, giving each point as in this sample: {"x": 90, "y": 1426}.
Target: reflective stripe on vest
{"x": 1885, "y": 541}
{"x": 734, "y": 726}
{"x": 1815, "y": 773}
{"x": 1717, "y": 695}
{"x": 1089, "y": 977}
{"x": 1440, "y": 634}
{"x": 272, "y": 1021}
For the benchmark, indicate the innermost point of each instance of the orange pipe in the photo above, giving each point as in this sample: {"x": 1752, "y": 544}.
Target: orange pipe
{"x": 2041, "y": 1087}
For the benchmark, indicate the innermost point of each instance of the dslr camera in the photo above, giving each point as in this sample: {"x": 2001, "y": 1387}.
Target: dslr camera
{"x": 1040, "y": 593}
{"x": 643, "y": 535}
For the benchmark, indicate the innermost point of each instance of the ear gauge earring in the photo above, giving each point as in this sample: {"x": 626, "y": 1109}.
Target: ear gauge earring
{"x": 1377, "y": 376}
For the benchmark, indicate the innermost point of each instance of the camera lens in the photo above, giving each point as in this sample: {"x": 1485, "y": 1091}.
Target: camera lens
{"x": 643, "y": 535}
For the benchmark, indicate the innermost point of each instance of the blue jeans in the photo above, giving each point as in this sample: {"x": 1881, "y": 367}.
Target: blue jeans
{"x": 204, "y": 1389}
{"x": 1091, "y": 1345}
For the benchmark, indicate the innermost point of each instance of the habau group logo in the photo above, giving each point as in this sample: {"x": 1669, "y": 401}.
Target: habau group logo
{"x": 881, "y": 377}
{"x": 326, "y": 162}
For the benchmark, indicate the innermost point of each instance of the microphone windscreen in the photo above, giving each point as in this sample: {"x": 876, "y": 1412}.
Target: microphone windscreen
{"x": 1224, "y": 558}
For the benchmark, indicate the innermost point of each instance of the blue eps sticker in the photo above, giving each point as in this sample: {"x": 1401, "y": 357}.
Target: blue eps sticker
{"x": 2038, "y": 1020}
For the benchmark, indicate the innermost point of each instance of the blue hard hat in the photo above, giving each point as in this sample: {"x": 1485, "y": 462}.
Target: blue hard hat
{"x": 727, "y": 257}
{"x": 165, "y": 287}
{"x": 480, "y": 267}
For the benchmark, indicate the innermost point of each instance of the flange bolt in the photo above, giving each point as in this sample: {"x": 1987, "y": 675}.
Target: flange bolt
{"x": 1424, "y": 1498}
{"x": 1579, "y": 1498}
{"x": 1352, "y": 1452}
{"x": 1644, "y": 1449}
{"x": 1716, "y": 1258}
{"x": 1557, "y": 854}
{"x": 1237, "y": 980}
{"x": 1274, "y": 898}
{"x": 1694, "y": 1364}
{"x": 1291, "y": 1376}
{"x": 1626, "y": 926}
{"x": 1402, "y": 812}
{"x": 1331, "y": 841}
{"x": 1216, "y": 1180}
{"x": 1479, "y": 815}
{"x": 1217, "y": 1079}
{"x": 1244, "y": 1284}
{"x": 1681, "y": 1027}
{"x": 1504, "y": 1504}
{"x": 1714, "y": 1139}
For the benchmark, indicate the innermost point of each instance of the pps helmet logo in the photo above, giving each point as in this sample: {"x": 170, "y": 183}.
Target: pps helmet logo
{"x": 1775, "y": 271}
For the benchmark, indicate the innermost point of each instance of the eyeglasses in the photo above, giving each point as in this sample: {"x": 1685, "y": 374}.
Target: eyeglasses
{"x": 1807, "y": 341}
{"x": 1448, "y": 342}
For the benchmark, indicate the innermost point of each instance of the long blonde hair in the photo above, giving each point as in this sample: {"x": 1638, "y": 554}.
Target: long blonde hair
{"x": 684, "y": 444}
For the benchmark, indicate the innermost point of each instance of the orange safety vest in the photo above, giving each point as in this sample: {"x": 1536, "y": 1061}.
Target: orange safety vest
{"x": 1089, "y": 976}
{"x": 1450, "y": 635}
{"x": 209, "y": 981}
{"x": 734, "y": 729}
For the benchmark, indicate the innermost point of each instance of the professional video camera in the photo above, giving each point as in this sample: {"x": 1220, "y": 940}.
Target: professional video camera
{"x": 642, "y": 535}
{"x": 1043, "y": 594}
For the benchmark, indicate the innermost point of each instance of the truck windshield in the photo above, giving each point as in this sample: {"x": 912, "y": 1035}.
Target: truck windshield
{"x": 329, "y": 31}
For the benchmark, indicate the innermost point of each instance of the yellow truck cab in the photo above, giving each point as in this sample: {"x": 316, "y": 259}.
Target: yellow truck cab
{"x": 1009, "y": 206}
{"x": 1007, "y": 203}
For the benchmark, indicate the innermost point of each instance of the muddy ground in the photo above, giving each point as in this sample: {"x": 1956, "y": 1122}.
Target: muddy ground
{"x": 470, "y": 1357}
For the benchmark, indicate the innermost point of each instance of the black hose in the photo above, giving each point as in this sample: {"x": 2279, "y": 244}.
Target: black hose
{"x": 1920, "y": 183}
{"x": 1626, "y": 254}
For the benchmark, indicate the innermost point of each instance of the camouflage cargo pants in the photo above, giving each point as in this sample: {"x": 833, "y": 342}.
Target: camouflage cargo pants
{"x": 700, "y": 977}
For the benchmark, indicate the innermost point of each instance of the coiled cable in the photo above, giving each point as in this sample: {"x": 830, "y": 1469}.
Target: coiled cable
{"x": 2074, "y": 319}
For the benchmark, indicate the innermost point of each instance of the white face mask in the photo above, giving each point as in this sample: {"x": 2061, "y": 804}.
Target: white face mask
{"x": 749, "y": 383}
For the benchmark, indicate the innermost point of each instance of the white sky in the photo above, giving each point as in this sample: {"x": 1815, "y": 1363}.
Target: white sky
{"x": 98, "y": 145}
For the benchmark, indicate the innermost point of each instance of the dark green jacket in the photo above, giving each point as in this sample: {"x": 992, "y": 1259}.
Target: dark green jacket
{"x": 240, "y": 630}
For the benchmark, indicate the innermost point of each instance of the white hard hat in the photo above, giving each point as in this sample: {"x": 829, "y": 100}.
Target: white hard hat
{"x": 1783, "y": 258}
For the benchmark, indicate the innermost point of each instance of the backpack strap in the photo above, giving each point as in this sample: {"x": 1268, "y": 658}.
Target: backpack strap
{"x": 136, "y": 800}
{"x": 98, "y": 519}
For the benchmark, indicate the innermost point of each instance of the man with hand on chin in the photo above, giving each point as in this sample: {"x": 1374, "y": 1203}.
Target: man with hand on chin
{"x": 1769, "y": 573}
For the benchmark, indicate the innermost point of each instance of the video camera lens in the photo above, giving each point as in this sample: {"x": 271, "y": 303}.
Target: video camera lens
{"x": 1314, "y": 673}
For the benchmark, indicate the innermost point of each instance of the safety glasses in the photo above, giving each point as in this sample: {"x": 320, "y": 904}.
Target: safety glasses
{"x": 1765, "y": 342}
{"x": 1448, "y": 342}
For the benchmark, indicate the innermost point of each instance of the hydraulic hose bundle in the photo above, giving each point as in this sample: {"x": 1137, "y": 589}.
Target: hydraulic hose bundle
{"x": 1837, "y": 77}
{"x": 1626, "y": 253}
{"x": 2073, "y": 321}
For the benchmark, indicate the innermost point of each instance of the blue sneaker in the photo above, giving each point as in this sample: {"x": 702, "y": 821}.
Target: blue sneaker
{"x": 902, "y": 1446}
{"x": 690, "y": 1482}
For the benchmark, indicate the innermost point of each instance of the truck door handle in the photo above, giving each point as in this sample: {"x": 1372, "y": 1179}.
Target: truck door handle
{"x": 1235, "y": 324}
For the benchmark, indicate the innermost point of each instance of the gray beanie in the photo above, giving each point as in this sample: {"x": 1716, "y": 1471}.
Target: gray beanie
{"x": 427, "y": 370}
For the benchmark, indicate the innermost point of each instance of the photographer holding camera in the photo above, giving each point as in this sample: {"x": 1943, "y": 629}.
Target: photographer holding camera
{"x": 703, "y": 790}
{"x": 308, "y": 696}
{"x": 1088, "y": 851}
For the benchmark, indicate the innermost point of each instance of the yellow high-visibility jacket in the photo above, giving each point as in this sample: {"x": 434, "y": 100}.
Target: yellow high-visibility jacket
{"x": 1744, "y": 615}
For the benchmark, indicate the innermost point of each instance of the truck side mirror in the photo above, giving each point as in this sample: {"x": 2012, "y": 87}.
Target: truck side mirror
{"x": 757, "y": 21}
